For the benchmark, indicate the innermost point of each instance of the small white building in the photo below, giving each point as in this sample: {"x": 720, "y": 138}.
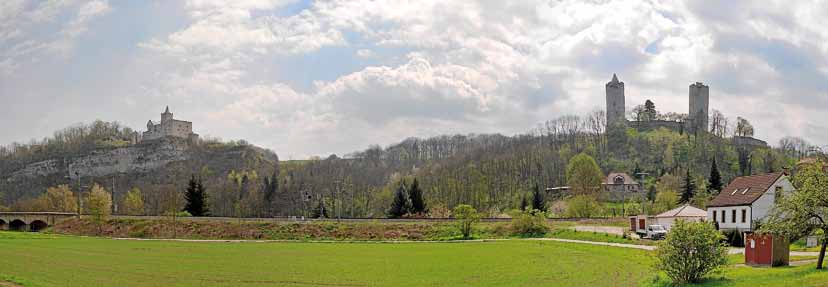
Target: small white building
{"x": 686, "y": 212}
{"x": 748, "y": 199}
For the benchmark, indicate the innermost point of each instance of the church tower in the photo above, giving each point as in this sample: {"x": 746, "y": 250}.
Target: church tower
{"x": 699, "y": 104}
{"x": 615, "y": 103}
{"x": 167, "y": 116}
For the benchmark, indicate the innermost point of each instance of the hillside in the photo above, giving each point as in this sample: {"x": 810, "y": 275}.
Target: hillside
{"x": 108, "y": 160}
{"x": 492, "y": 172}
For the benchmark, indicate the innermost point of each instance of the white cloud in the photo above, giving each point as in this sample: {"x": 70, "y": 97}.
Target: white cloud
{"x": 20, "y": 29}
{"x": 381, "y": 71}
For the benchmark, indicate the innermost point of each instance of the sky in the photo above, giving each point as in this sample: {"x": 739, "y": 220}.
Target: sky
{"x": 307, "y": 78}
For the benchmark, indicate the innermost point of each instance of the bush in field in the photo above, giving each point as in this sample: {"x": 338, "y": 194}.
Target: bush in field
{"x": 531, "y": 223}
{"x": 691, "y": 251}
{"x": 99, "y": 205}
{"x": 439, "y": 211}
{"x": 466, "y": 217}
{"x": 582, "y": 206}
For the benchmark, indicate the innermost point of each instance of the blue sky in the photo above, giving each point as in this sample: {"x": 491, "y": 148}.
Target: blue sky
{"x": 318, "y": 77}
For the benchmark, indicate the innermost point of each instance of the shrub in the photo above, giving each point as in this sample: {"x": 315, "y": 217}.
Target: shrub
{"x": 582, "y": 206}
{"x": 466, "y": 217}
{"x": 439, "y": 211}
{"x": 691, "y": 251}
{"x": 531, "y": 223}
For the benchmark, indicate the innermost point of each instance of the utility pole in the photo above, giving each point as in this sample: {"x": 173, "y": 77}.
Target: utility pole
{"x": 80, "y": 201}
{"x": 641, "y": 175}
{"x": 114, "y": 202}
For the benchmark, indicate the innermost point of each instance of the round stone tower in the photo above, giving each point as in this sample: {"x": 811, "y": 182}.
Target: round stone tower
{"x": 615, "y": 103}
{"x": 167, "y": 116}
{"x": 699, "y": 105}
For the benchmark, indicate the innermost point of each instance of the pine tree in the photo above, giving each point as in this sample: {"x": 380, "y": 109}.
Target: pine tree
{"x": 651, "y": 193}
{"x": 715, "y": 180}
{"x": 689, "y": 189}
{"x": 415, "y": 194}
{"x": 320, "y": 211}
{"x": 401, "y": 203}
{"x": 271, "y": 186}
{"x": 538, "y": 203}
{"x": 195, "y": 198}
{"x": 650, "y": 113}
{"x": 523, "y": 203}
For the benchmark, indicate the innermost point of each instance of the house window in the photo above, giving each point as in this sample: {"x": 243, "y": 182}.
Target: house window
{"x": 723, "y": 216}
{"x": 714, "y": 216}
{"x": 744, "y": 215}
{"x": 733, "y": 216}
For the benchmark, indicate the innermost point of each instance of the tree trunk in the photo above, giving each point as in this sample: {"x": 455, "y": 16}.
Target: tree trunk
{"x": 822, "y": 253}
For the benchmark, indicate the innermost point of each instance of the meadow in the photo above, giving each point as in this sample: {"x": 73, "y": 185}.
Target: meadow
{"x": 31, "y": 259}
{"x": 56, "y": 260}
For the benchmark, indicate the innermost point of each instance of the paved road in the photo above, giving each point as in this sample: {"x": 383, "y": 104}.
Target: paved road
{"x": 601, "y": 229}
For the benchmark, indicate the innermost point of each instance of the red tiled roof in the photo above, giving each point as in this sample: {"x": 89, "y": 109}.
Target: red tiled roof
{"x": 745, "y": 190}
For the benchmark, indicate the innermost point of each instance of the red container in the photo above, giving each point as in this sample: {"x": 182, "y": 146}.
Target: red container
{"x": 766, "y": 250}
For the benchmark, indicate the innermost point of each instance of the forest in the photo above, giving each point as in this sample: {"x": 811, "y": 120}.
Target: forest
{"x": 492, "y": 172}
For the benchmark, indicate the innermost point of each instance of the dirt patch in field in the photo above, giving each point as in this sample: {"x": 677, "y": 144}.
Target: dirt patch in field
{"x": 9, "y": 284}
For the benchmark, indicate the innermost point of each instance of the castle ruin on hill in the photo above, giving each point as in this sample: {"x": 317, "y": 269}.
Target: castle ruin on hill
{"x": 694, "y": 122}
{"x": 697, "y": 116}
{"x": 169, "y": 127}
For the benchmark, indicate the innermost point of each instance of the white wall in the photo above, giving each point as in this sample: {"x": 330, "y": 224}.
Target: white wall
{"x": 763, "y": 205}
{"x": 728, "y": 223}
{"x": 668, "y": 222}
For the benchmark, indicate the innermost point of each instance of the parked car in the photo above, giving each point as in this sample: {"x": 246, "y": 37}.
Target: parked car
{"x": 654, "y": 232}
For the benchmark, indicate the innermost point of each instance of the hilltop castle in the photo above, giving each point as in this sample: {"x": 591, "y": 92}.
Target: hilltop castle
{"x": 696, "y": 120}
{"x": 169, "y": 127}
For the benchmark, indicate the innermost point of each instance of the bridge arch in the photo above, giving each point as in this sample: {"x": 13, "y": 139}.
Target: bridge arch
{"x": 37, "y": 225}
{"x": 17, "y": 225}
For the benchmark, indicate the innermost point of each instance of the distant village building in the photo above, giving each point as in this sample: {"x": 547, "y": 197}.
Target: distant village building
{"x": 621, "y": 186}
{"x": 169, "y": 127}
{"x": 618, "y": 186}
{"x": 748, "y": 199}
{"x": 685, "y": 212}
{"x": 666, "y": 219}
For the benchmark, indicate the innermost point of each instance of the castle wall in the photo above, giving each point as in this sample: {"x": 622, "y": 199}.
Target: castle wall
{"x": 749, "y": 142}
{"x": 654, "y": 125}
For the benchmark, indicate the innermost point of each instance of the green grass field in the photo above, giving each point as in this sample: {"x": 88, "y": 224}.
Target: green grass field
{"x": 50, "y": 260}
{"x": 53, "y": 260}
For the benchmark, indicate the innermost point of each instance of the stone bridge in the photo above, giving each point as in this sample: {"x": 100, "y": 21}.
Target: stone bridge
{"x": 31, "y": 221}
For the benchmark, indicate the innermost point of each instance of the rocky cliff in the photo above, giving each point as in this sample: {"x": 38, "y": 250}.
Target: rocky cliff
{"x": 165, "y": 161}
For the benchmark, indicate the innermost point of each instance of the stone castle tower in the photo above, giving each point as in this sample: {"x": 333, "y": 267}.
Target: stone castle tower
{"x": 615, "y": 103}
{"x": 697, "y": 117}
{"x": 699, "y": 105}
{"x": 169, "y": 127}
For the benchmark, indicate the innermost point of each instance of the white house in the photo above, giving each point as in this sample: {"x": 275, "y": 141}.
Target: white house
{"x": 747, "y": 199}
{"x": 686, "y": 212}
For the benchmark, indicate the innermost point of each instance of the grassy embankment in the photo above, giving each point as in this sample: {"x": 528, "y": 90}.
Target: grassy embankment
{"x": 55, "y": 260}
{"x": 308, "y": 231}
